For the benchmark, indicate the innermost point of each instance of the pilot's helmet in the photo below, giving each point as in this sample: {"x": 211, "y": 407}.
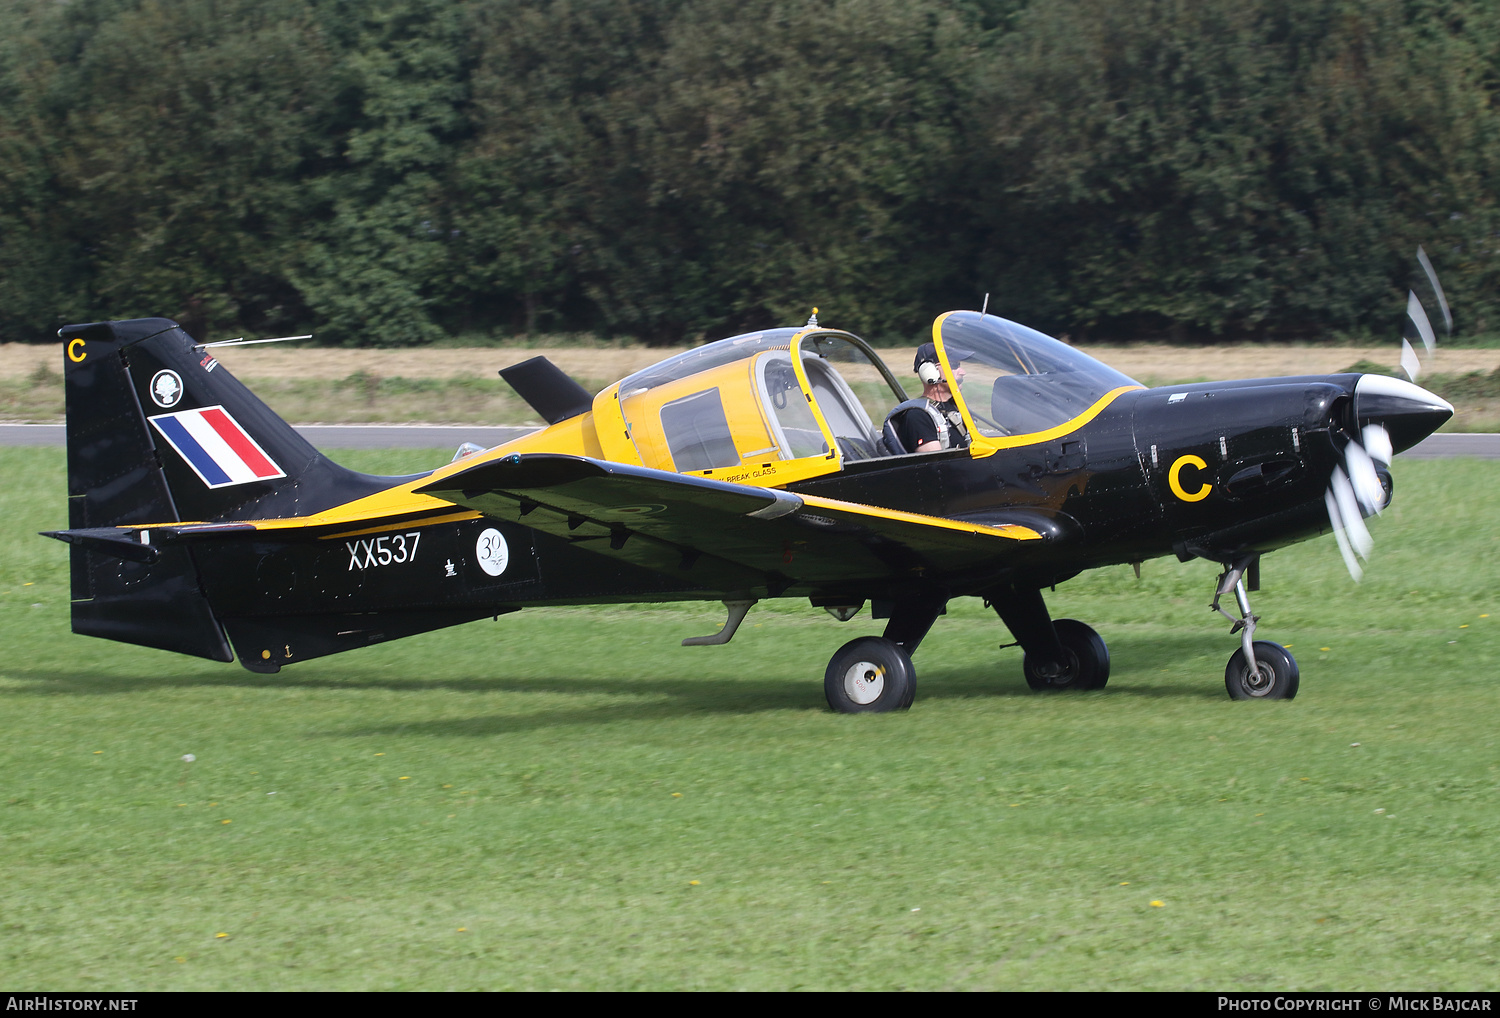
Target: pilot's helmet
{"x": 926, "y": 364}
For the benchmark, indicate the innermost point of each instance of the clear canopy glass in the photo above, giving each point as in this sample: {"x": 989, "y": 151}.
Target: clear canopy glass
{"x": 711, "y": 355}
{"x": 757, "y": 399}
{"x": 1018, "y": 381}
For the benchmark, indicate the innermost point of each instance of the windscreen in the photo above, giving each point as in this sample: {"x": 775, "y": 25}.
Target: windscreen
{"x": 1017, "y": 381}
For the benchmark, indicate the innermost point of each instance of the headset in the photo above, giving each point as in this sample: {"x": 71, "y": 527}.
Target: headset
{"x": 929, "y": 372}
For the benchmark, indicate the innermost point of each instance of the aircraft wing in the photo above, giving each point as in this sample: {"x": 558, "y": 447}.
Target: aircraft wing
{"x": 729, "y": 535}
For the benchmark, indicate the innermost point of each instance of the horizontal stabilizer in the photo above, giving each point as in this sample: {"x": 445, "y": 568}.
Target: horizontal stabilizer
{"x": 121, "y": 542}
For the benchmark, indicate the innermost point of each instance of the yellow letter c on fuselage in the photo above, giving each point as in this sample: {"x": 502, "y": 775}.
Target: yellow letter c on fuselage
{"x": 1173, "y": 478}
{"x": 76, "y": 352}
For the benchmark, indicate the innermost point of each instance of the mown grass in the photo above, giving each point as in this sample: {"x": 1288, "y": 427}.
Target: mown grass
{"x": 568, "y": 799}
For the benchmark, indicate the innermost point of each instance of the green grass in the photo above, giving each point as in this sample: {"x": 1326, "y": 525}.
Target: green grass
{"x": 516, "y": 780}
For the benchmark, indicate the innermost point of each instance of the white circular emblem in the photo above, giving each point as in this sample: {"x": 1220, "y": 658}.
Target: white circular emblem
{"x": 166, "y": 388}
{"x": 492, "y": 551}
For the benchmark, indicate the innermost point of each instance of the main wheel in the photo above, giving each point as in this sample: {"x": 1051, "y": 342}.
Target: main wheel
{"x": 1274, "y": 677}
{"x": 870, "y": 675}
{"x": 1087, "y": 661}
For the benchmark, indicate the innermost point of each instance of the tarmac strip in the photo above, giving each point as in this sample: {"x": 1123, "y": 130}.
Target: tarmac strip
{"x": 326, "y": 436}
{"x": 444, "y": 436}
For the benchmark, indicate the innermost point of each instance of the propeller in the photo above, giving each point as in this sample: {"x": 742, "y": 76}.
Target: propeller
{"x": 1355, "y": 490}
{"x": 1419, "y": 320}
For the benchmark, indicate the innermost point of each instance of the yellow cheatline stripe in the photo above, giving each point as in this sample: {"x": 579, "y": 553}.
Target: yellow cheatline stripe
{"x": 324, "y": 520}
{"x": 1065, "y": 428}
{"x": 348, "y": 515}
{"x": 1013, "y": 531}
{"x": 468, "y": 514}
{"x": 380, "y": 518}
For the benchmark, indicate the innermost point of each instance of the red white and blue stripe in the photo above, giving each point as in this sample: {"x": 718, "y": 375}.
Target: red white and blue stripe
{"x": 212, "y": 442}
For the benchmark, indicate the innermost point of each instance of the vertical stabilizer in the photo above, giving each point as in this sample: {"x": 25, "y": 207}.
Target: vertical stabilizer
{"x": 159, "y": 432}
{"x": 115, "y": 480}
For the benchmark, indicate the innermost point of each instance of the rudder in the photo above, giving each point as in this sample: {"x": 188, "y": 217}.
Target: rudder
{"x": 158, "y": 432}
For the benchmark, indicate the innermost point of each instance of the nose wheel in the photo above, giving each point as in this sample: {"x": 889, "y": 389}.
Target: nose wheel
{"x": 1260, "y": 669}
{"x": 1274, "y": 676}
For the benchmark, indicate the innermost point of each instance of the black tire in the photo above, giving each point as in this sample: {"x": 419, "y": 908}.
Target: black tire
{"x": 870, "y": 675}
{"x": 1276, "y": 676}
{"x": 1088, "y": 660}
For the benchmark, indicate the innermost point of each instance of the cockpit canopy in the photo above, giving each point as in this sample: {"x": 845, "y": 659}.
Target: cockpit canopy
{"x": 759, "y": 400}
{"x": 1018, "y": 381}
{"x": 783, "y": 404}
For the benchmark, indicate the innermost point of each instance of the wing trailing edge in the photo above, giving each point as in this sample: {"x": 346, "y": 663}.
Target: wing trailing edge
{"x": 754, "y": 537}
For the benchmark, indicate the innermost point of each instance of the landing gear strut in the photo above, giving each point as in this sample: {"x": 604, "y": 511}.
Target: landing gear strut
{"x": 874, "y": 673}
{"x": 1087, "y": 664}
{"x": 1061, "y": 655}
{"x": 1260, "y": 669}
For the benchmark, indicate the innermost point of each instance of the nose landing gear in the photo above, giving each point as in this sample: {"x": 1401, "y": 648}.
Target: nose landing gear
{"x": 1260, "y": 669}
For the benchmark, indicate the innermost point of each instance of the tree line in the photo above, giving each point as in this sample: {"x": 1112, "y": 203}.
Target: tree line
{"x": 390, "y": 172}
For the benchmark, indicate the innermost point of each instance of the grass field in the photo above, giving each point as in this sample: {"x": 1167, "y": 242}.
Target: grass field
{"x": 567, "y": 799}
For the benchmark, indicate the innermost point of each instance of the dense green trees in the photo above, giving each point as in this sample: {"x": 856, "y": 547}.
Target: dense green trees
{"x": 388, "y": 171}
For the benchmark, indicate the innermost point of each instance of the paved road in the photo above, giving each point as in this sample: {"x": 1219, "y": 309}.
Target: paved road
{"x": 324, "y": 436}
{"x": 399, "y": 436}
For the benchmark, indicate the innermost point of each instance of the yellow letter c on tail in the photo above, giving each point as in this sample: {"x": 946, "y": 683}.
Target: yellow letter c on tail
{"x": 1173, "y": 478}
{"x": 76, "y": 352}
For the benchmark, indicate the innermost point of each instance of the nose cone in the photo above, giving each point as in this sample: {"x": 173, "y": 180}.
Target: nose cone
{"x": 1409, "y": 412}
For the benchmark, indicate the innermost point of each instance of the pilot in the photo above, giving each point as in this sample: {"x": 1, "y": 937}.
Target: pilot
{"x": 932, "y": 422}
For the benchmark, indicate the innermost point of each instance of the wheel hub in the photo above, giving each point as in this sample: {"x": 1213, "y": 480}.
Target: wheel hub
{"x": 864, "y": 681}
{"x": 1260, "y": 679}
{"x": 1063, "y": 673}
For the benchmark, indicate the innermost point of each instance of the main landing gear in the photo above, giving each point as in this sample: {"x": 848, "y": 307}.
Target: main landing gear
{"x": 1061, "y": 655}
{"x": 874, "y": 673}
{"x": 1260, "y": 669}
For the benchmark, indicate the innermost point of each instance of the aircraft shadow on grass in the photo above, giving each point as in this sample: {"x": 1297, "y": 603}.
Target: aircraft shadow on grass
{"x": 678, "y": 694}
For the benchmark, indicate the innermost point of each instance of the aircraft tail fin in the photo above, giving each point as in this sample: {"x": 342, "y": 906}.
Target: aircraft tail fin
{"x": 159, "y": 432}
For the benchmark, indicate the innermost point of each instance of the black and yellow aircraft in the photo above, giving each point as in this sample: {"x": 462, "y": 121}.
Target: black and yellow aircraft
{"x": 749, "y": 468}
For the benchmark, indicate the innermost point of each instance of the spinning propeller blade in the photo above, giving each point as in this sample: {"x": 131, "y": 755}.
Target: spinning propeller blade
{"x": 1356, "y": 494}
{"x": 1368, "y": 491}
{"x": 1338, "y": 533}
{"x": 1418, "y": 316}
{"x": 1349, "y": 514}
{"x": 1421, "y": 322}
{"x": 1437, "y": 288}
{"x": 1377, "y": 442}
{"x": 1355, "y": 490}
{"x": 1409, "y": 362}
